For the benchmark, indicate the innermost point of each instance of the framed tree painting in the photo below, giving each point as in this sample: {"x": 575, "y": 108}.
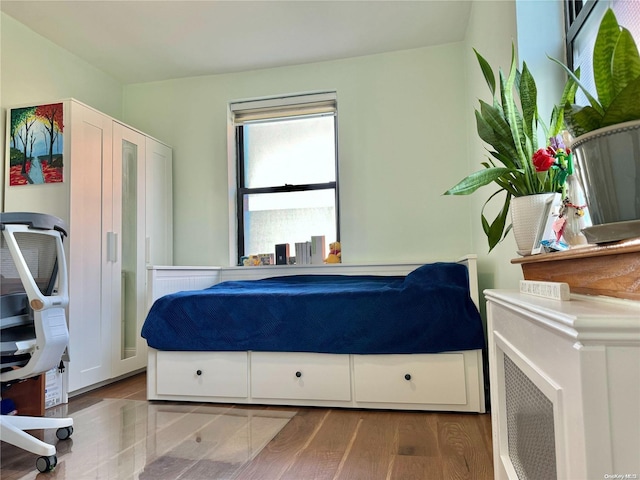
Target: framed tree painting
{"x": 36, "y": 145}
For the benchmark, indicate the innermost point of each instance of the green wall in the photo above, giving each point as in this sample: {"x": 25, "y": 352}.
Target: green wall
{"x": 34, "y": 70}
{"x": 401, "y": 119}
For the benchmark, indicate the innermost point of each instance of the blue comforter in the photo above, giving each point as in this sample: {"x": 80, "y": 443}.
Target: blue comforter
{"x": 428, "y": 311}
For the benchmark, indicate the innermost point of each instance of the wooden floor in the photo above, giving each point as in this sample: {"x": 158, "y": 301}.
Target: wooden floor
{"x": 309, "y": 443}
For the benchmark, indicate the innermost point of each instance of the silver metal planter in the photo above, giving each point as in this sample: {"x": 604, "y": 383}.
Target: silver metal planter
{"x": 609, "y": 170}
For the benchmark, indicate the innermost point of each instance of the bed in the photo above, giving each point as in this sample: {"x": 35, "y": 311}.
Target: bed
{"x": 388, "y": 336}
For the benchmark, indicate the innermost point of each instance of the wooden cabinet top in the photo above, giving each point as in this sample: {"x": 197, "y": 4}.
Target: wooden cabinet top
{"x": 611, "y": 269}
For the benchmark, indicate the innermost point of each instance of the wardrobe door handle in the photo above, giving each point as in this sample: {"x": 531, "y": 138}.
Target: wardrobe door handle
{"x": 298, "y": 374}
{"x": 112, "y": 247}
{"x": 407, "y": 377}
{"x": 198, "y": 372}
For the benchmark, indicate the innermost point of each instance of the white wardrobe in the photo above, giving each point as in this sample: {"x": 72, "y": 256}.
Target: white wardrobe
{"x": 116, "y": 199}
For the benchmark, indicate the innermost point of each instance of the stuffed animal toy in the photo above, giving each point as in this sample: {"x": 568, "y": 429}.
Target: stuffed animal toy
{"x": 251, "y": 261}
{"x": 335, "y": 255}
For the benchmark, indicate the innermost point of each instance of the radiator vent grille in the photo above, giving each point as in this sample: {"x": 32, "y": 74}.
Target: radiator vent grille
{"x": 530, "y": 430}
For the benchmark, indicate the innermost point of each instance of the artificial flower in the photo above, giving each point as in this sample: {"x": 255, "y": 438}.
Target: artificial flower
{"x": 543, "y": 159}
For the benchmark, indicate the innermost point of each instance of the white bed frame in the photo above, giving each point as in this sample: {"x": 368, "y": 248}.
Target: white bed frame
{"x": 451, "y": 381}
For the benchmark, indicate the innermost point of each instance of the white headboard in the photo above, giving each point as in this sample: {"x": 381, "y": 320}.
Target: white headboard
{"x": 162, "y": 280}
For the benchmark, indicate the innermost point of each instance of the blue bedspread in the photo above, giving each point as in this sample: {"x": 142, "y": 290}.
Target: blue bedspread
{"x": 428, "y": 311}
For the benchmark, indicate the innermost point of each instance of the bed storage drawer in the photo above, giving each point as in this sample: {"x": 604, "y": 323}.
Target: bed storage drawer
{"x": 419, "y": 378}
{"x": 300, "y": 376}
{"x": 216, "y": 374}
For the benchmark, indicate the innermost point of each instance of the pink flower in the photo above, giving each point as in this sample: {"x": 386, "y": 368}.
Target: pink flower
{"x": 543, "y": 160}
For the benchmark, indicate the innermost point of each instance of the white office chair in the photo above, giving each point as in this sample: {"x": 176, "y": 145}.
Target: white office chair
{"x": 33, "y": 326}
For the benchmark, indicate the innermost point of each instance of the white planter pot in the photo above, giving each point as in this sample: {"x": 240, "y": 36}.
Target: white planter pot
{"x": 609, "y": 168}
{"x": 529, "y": 216}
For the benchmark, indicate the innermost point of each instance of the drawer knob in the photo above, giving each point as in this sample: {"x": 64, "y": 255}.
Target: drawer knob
{"x": 407, "y": 376}
{"x": 198, "y": 372}
{"x": 298, "y": 374}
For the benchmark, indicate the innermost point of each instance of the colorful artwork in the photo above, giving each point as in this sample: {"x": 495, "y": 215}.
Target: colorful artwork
{"x": 35, "y": 144}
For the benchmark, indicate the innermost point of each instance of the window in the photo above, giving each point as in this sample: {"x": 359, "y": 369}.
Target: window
{"x": 582, "y": 19}
{"x": 286, "y": 171}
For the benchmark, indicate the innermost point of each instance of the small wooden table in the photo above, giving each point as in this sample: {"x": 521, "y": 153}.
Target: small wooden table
{"x": 611, "y": 269}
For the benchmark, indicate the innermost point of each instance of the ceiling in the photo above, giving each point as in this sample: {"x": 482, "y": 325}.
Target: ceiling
{"x": 143, "y": 41}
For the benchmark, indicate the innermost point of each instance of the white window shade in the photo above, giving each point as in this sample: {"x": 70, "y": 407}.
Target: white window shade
{"x": 279, "y": 107}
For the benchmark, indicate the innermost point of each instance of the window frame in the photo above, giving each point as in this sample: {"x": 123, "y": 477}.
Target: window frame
{"x": 277, "y": 105}
{"x": 576, "y": 13}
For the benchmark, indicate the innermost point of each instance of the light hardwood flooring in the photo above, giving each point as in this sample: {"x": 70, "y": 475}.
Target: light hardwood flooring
{"x": 120, "y": 435}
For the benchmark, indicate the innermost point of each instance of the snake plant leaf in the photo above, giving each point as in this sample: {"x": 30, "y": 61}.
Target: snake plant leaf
{"x": 557, "y": 119}
{"x": 476, "y": 180}
{"x": 528, "y": 100}
{"x": 485, "y": 227}
{"x": 498, "y": 226}
{"x": 592, "y": 100}
{"x": 603, "y": 51}
{"x": 581, "y": 120}
{"x": 512, "y": 183}
{"x": 625, "y": 63}
{"x": 506, "y": 160}
{"x": 487, "y": 71}
{"x": 485, "y": 224}
{"x": 485, "y": 131}
{"x": 625, "y": 107}
{"x": 494, "y": 231}
{"x": 495, "y": 116}
{"x": 492, "y": 119}
{"x": 503, "y": 98}
{"x": 510, "y": 110}
{"x": 557, "y": 114}
{"x": 529, "y": 169}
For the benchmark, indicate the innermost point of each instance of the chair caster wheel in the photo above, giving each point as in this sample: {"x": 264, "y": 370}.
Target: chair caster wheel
{"x": 46, "y": 464}
{"x": 64, "y": 433}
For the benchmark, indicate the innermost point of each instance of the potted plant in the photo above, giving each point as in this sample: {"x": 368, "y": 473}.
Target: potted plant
{"x": 516, "y": 163}
{"x": 607, "y": 134}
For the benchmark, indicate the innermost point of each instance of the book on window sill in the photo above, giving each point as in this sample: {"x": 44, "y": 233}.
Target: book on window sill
{"x": 318, "y": 249}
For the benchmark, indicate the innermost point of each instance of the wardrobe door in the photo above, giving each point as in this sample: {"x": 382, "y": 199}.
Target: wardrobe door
{"x": 127, "y": 256}
{"x": 90, "y": 220}
{"x": 159, "y": 203}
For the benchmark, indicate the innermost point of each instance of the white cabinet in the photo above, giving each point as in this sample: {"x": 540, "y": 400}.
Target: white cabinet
{"x": 565, "y": 386}
{"x": 109, "y": 173}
